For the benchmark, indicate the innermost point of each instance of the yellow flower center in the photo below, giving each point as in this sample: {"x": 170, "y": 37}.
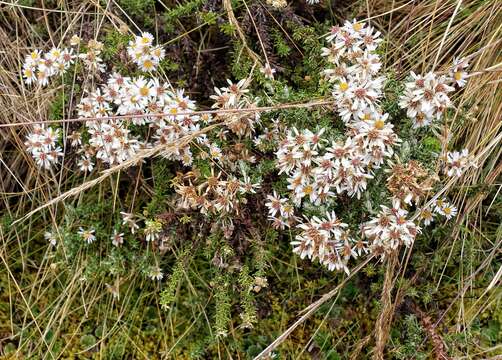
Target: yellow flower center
{"x": 457, "y": 75}
{"x": 379, "y": 124}
{"x": 148, "y": 64}
{"x": 344, "y": 86}
{"x": 447, "y": 210}
{"x": 307, "y": 190}
{"x": 357, "y": 26}
{"x": 143, "y": 91}
{"x": 426, "y": 214}
{"x": 367, "y": 117}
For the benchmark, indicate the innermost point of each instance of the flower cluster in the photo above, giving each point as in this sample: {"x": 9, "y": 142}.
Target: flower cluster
{"x": 144, "y": 54}
{"x": 236, "y": 100}
{"x": 91, "y": 59}
{"x": 41, "y": 143}
{"x": 357, "y": 88}
{"x": 328, "y": 241}
{"x": 317, "y": 172}
{"x": 148, "y": 101}
{"x": 39, "y": 67}
{"x": 390, "y": 229}
{"x": 458, "y": 162}
{"x": 320, "y": 170}
{"x": 166, "y": 111}
{"x": 214, "y": 195}
{"x": 426, "y": 98}
{"x": 441, "y": 207}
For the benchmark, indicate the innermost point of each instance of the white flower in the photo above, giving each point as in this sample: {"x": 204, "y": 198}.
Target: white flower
{"x": 85, "y": 164}
{"x": 275, "y": 204}
{"x": 129, "y": 220}
{"x": 458, "y": 162}
{"x": 117, "y": 238}
{"x": 29, "y": 74}
{"x": 427, "y": 216}
{"x": 156, "y": 273}
{"x": 87, "y": 235}
{"x": 446, "y": 209}
{"x": 458, "y": 73}
{"x": 75, "y": 40}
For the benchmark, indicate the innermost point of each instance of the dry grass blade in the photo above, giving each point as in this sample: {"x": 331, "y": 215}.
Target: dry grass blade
{"x": 310, "y": 310}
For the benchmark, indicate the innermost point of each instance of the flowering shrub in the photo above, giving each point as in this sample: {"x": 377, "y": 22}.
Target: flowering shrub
{"x": 321, "y": 170}
{"x": 359, "y": 152}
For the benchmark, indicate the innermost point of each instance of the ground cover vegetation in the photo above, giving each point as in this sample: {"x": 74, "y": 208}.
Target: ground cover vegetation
{"x": 250, "y": 179}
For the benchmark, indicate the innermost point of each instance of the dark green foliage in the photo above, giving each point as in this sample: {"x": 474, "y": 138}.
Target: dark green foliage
{"x": 139, "y": 10}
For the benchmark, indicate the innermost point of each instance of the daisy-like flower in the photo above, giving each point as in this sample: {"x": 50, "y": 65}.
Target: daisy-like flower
{"x": 155, "y": 273}
{"x": 427, "y": 216}
{"x": 235, "y": 91}
{"x": 93, "y": 61}
{"x": 446, "y": 209}
{"x": 147, "y": 64}
{"x": 75, "y": 138}
{"x": 42, "y": 144}
{"x": 29, "y": 74}
{"x": 117, "y": 238}
{"x": 33, "y": 58}
{"x": 215, "y": 152}
{"x": 146, "y": 39}
{"x": 458, "y": 162}
{"x": 458, "y": 73}
{"x": 247, "y": 187}
{"x": 85, "y": 164}
{"x": 87, "y": 235}
{"x": 275, "y": 204}
{"x": 130, "y": 220}
{"x": 43, "y": 75}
